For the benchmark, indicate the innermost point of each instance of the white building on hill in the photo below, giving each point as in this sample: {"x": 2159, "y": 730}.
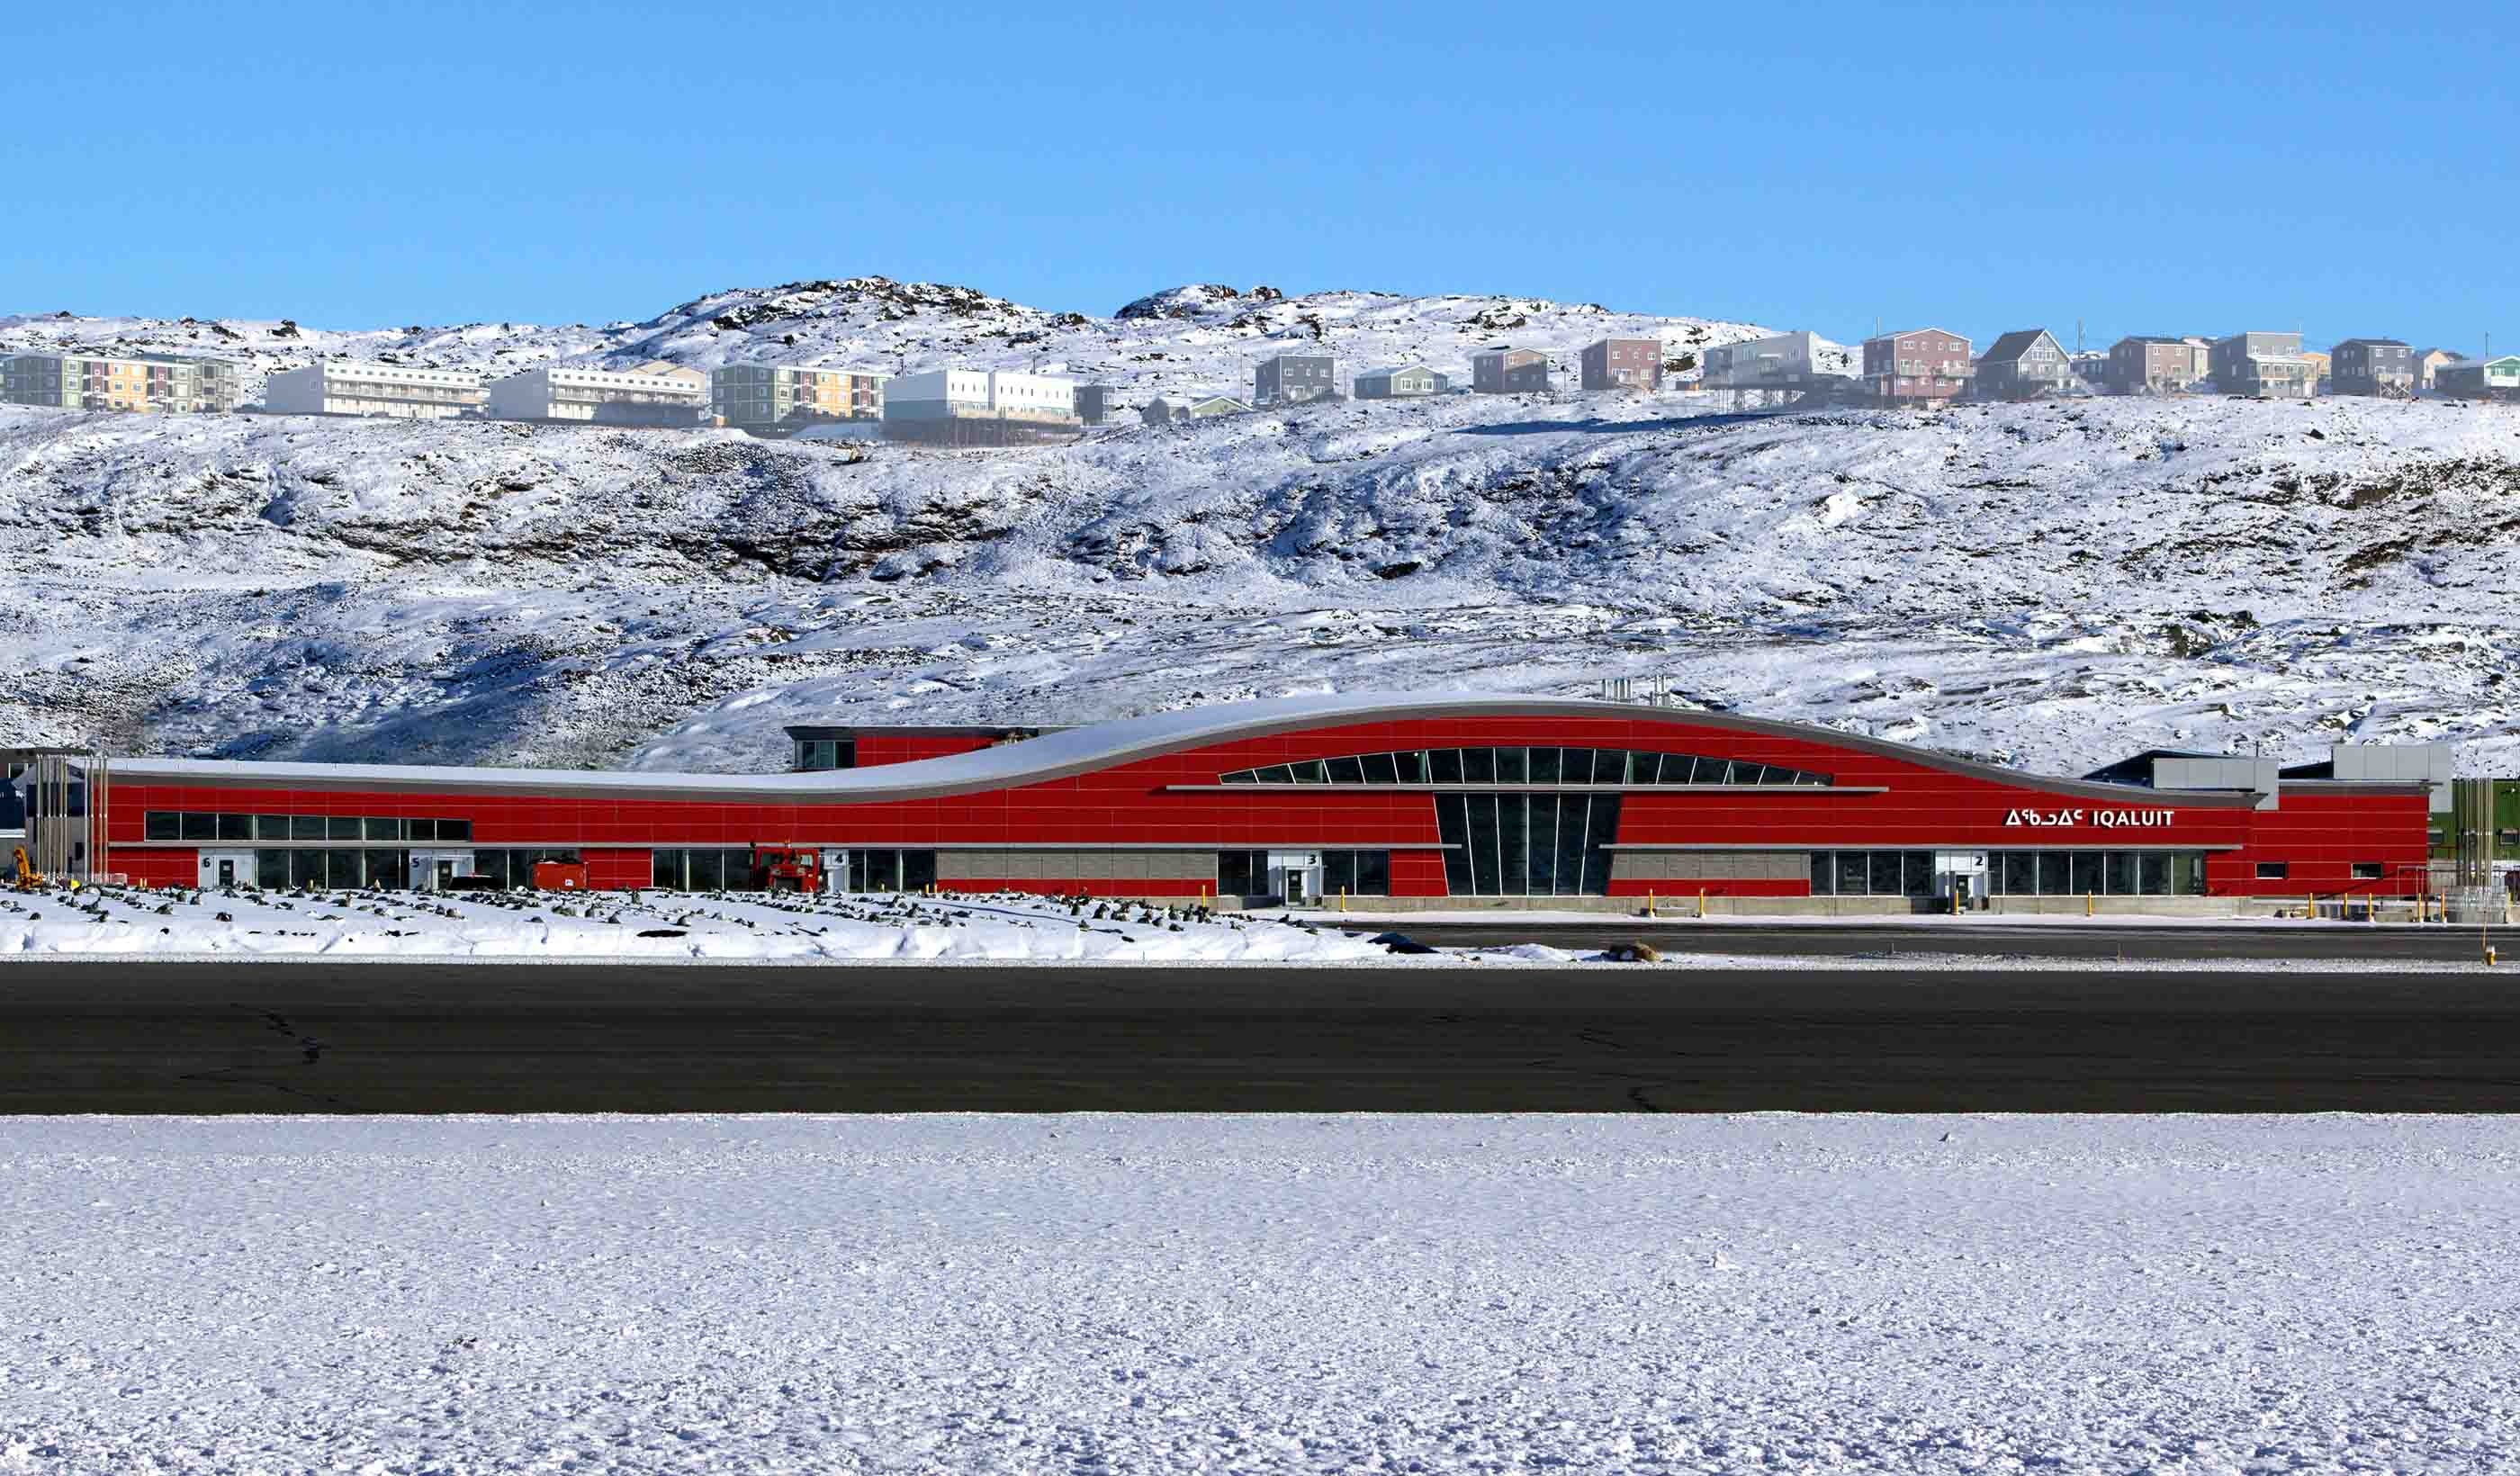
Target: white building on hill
{"x": 947, "y": 394}
{"x": 342, "y": 387}
{"x": 601, "y": 396}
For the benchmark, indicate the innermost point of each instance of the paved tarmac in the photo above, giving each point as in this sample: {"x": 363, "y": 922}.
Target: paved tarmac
{"x": 435, "y": 1038}
{"x": 2064, "y": 939}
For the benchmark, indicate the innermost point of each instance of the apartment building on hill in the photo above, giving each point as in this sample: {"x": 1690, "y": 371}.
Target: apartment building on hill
{"x": 337, "y": 387}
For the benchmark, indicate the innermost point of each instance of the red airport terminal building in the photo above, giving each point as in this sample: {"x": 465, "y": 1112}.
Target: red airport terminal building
{"x": 1426, "y": 800}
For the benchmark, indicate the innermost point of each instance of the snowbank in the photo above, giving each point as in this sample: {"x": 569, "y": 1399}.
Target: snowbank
{"x": 662, "y": 926}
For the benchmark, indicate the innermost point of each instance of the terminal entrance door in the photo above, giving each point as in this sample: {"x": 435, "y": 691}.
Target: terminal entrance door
{"x": 226, "y": 868}
{"x": 1961, "y": 873}
{"x": 1296, "y": 875}
{"x": 436, "y": 870}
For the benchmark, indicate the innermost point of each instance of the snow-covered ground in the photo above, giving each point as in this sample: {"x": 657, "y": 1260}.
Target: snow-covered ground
{"x": 652, "y": 926}
{"x": 1146, "y": 1294}
{"x": 2055, "y": 585}
{"x": 116, "y": 922}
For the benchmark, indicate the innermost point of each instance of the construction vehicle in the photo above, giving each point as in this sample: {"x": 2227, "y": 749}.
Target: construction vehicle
{"x": 28, "y": 878}
{"x": 786, "y": 868}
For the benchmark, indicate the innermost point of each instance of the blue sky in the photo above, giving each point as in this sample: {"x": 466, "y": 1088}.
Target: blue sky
{"x": 2338, "y": 168}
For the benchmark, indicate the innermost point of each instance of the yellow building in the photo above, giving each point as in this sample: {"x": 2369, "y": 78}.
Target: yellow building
{"x": 761, "y": 397}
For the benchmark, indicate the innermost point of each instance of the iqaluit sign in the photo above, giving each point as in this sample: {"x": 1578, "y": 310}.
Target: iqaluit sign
{"x": 2107, "y": 819}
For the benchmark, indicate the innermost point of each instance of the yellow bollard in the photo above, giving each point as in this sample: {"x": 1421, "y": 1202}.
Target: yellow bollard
{"x": 1701, "y": 902}
{"x": 2091, "y": 904}
{"x": 1649, "y": 902}
{"x": 1342, "y": 899}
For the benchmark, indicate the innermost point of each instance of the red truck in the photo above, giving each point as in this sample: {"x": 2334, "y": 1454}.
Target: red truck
{"x": 786, "y": 868}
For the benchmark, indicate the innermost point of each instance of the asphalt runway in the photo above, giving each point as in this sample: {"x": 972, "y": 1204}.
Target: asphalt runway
{"x": 100, "y": 1037}
{"x": 2112, "y": 941}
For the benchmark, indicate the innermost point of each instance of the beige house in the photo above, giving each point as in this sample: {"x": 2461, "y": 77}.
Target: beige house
{"x": 2430, "y": 361}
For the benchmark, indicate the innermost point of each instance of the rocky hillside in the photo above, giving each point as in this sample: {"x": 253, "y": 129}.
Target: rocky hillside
{"x": 2052, "y": 584}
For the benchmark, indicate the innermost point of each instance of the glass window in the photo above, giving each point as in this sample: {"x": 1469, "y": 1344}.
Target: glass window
{"x": 455, "y": 829}
{"x": 1452, "y": 828}
{"x": 271, "y": 827}
{"x": 665, "y": 870}
{"x": 162, "y": 825}
{"x": 2365, "y": 870}
{"x": 343, "y": 868}
{"x": 1679, "y": 768}
{"x": 917, "y": 871}
{"x": 1281, "y": 774}
{"x": 1381, "y": 769}
{"x": 1343, "y": 771}
{"x": 1610, "y": 766}
{"x": 1513, "y": 841}
{"x": 1240, "y": 776}
{"x": 271, "y": 870}
{"x": 2086, "y": 873}
{"x": 1373, "y": 873}
{"x": 1601, "y": 831}
{"x": 307, "y": 868}
{"x": 1311, "y": 771}
{"x": 420, "y": 829}
{"x": 2118, "y": 871}
{"x": 1446, "y": 765}
{"x": 1483, "y": 844}
{"x": 1544, "y": 769}
{"x": 1916, "y": 873}
{"x": 1513, "y": 766}
{"x": 1644, "y": 768}
{"x": 1823, "y": 873}
{"x": 341, "y": 827}
{"x": 1576, "y": 764}
{"x": 236, "y": 827}
{"x": 1886, "y": 878}
{"x": 1853, "y": 873}
{"x": 201, "y": 826}
{"x": 1478, "y": 766}
{"x": 1543, "y": 809}
{"x": 2020, "y": 873}
{"x": 2156, "y": 871}
{"x": 2187, "y": 873}
{"x": 2055, "y": 873}
{"x": 1412, "y": 766}
{"x": 383, "y": 827}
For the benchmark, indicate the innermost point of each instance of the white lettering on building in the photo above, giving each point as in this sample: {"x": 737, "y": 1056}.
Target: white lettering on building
{"x": 2107, "y": 819}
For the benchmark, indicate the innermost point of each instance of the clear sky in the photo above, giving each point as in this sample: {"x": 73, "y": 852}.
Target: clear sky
{"x": 2340, "y": 168}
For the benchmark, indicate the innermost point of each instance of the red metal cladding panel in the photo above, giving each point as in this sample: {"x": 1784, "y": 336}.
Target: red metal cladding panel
{"x": 619, "y": 870}
{"x": 1713, "y": 887}
{"x": 154, "y": 868}
{"x": 904, "y": 748}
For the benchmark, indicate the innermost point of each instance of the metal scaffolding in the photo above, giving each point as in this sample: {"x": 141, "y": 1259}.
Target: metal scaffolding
{"x": 67, "y": 794}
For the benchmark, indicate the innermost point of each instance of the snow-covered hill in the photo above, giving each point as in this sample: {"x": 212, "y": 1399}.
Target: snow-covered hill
{"x": 2051, "y": 584}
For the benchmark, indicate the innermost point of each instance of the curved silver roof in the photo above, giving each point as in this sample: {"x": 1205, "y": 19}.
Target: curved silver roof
{"x": 1072, "y": 751}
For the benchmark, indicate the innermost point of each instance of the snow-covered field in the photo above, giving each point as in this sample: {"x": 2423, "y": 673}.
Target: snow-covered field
{"x": 1098, "y": 1294}
{"x": 2054, "y": 585}
{"x": 653, "y": 926}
